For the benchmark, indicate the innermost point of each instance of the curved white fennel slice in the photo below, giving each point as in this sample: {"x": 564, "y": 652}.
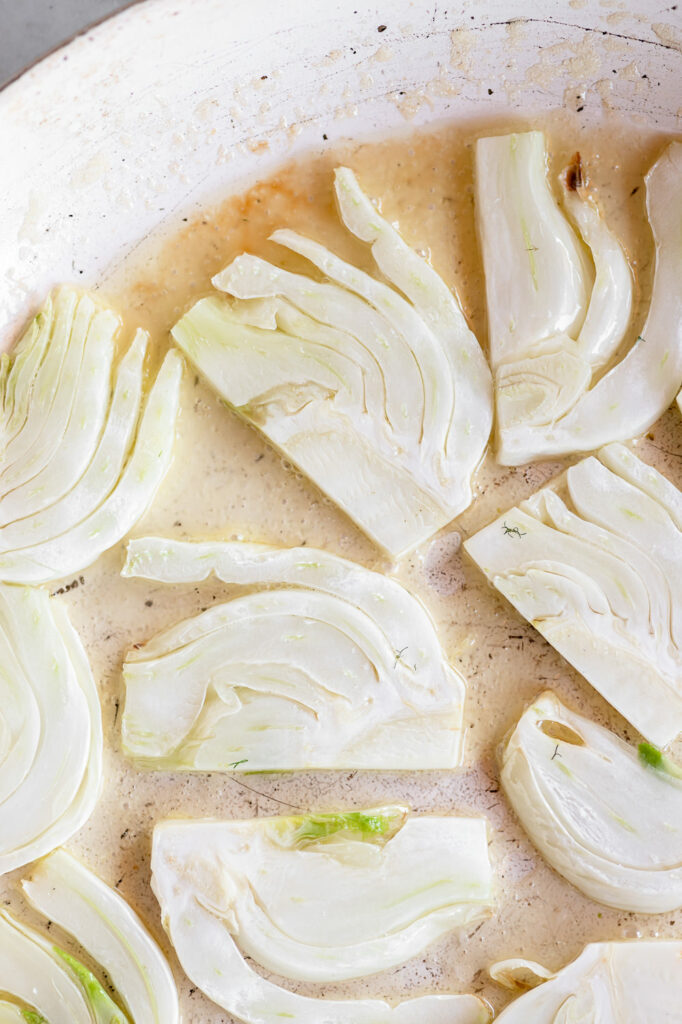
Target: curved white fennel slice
{"x": 50, "y": 985}
{"x": 600, "y": 576}
{"x": 388, "y": 883}
{"x": 81, "y": 456}
{"x": 379, "y": 392}
{"x": 50, "y": 728}
{"x": 339, "y": 668}
{"x": 606, "y": 816}
{"x": 537, "y": 274}
{"x": 111, "y": 932}
{"x": 553, "y": 323}
{"x": 638, "y": 982}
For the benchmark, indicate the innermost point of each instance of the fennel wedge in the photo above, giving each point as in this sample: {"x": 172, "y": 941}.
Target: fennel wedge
{"x": 379, "y": 392}
{"x": 325, "y": 665}
{"x": 635, "y": 982}
{"x": 130, "y": 982}
{"x": 606, "y": 816}
{"x": 81, "y": 454}
{"x": 319, "y": 897}
{"x": 599, "y": 574}
{"x": 99, "y": 918}
{"x": 49, "y": 984}
{"x": 559, "y": 298}
{"x": 50, "y": 728}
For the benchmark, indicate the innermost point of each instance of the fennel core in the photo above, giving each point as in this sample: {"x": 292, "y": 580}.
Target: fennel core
{"x": 654, "y": 758}
{"x": 373, "y": 828}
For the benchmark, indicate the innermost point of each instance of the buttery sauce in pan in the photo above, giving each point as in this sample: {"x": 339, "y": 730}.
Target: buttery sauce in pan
{"x": 226, "y": 482}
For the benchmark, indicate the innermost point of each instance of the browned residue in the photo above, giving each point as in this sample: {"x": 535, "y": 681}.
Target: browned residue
{"x": 258, "y": 145}
{"x": 575, "y": 177}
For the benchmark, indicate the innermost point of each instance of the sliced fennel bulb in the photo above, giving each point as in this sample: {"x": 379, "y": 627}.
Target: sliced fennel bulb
{"x": 338, "y": 667}
{"x": 389, "y": 884}
{"x": 600, "y": 576}
{"x": 81, "y": 457}
{"x": 112, "y": 933}
{"x": 56, "y": 986}
{"x": 609, "y": 983}
{"x": 607, "y": 818}
{"x": 383, "y": 399}
{"x": 557, "y": 318}
{"x": 50, "y": 728}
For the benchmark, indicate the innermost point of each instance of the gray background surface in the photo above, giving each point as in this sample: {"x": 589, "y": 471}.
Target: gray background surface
{"x": 31, "y": 28}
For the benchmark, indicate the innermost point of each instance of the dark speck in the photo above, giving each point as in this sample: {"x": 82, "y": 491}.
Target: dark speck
{"x": 635, "y": 189}
{"x": 579, "y": 109}
{"x": 263, "y": 77}
{"x": 324, "y": 136}
{"x": 574, "y": 175}
{"x": 490, "y": 92}
{"x": 381, "y": 28}
{"x": 149, "y": 603}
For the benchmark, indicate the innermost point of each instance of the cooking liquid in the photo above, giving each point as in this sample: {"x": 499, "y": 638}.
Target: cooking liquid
{"x": 227, "y": 482}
